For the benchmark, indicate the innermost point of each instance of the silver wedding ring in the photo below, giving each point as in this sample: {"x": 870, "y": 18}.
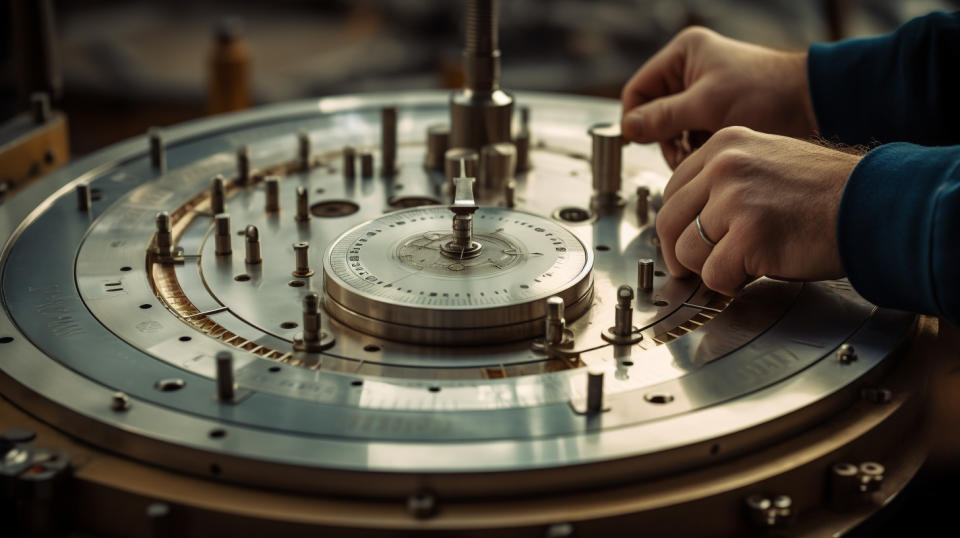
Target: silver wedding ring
{"x": 703, "y": 235}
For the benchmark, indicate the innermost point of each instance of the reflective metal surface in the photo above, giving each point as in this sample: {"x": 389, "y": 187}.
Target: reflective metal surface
{"x": 393, "y": 404}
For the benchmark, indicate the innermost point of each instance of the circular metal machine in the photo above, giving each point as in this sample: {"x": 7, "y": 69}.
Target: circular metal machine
{"x": 299, "y": 345}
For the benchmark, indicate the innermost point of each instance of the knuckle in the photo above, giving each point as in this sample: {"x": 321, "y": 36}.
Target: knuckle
{"x": 732, "y": 134}
{"x": 728, "y": 162}
{"x": 694, "y": 34}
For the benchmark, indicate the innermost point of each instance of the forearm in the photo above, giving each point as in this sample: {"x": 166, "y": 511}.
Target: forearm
{"x": 898, "y": 87}
{"x": 898, "y": 228}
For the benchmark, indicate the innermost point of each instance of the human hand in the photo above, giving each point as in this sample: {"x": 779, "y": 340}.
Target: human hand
{"x": 702, "y": 81}
{"x": 769, "y": 203}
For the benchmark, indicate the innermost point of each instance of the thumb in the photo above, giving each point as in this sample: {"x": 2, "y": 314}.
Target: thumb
{"x": 662, "y": 119}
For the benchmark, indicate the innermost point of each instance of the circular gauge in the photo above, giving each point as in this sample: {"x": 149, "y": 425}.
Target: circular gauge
{"x": 395, "y": 277}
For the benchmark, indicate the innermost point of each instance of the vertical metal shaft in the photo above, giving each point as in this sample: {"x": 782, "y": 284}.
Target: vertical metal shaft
{"x": 606, "y": 161}
{"x": 301, "y": 251}
{"x": 555, "y": 324}
{"x": 645, "y": 275}
{"x": 83, "y": 197}
{"x": 222, "y": 238}
{"x": 388, "y": 139}
{"x": 482, "y": 47}
{"x": 349, "y": 162}
{"x": 252, "y": 236}
{"x": 311, "y": 318}
{"x": 510, "y": 194}
{"x": 366, "y": 164}
{"x": 226, "y": 388}
{"x": 643, "y": 205}
{"x": 303, "y": 204}
{"x": 164, "y": 241}
{"x": 438, "y": 142}
{"x": 623, "y": 321}
{"x": 217, "y": 195}
{"x": 303, "y": 148}
{"x": 272, "y": 188}
{"x": 243, "y": 165}
{"x": 594, "y": 392}
{"x": 522, "y": 141}
{"x": 158, "y": 156}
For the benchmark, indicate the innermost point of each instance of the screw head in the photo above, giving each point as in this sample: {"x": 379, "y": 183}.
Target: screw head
{"x": 422, "y": 505}
{"x": 846, "y": 353}
{"x": 119, "y": 401}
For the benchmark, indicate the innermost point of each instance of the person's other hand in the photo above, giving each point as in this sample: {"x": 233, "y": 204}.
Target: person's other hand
{"x": 769, "y": 202}
{"x": 701, "y": 82}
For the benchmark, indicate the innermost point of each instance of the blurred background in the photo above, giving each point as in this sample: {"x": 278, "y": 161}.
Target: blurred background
{"x": 116, "y": 67}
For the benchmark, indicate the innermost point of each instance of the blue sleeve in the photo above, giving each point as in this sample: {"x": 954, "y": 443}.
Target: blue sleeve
{"x": 898, "y": 228}
{"x": 901, "y": 87}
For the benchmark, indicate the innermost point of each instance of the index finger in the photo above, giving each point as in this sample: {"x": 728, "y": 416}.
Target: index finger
{"x": 661, "y": 75}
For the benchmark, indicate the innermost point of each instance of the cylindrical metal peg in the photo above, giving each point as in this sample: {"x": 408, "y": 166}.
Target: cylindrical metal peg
{"x": 522, "y": 141}
{"x": 164, "y": 241}
{"x": 349, "y": 162}
{"x": 388, "y": 139}
{"x": 623, "y": 320}
{"x": 252, "y": 236}
{"x": 555, "y": 324}
{"x": 643, "y": 204}
{"x": 218, "y": 195}
{"x": 243, "y": 165}
{"x": 303, "y": 150}
{"x": 645, "y": 275}
{"x": 510, "y": 194}
{"x": 301, "y": 251}
{"x": 158, "y": 156}
{"x": 438, "y": 142}
{"x": 272, "y": 187}
{"x": 594, "y": 392}
{"x": 366, "y": 164}
{"x": 311, "y": 318}
{"x": 226, "y": 388}
{"x": 303, "y": 204}
{"x": 606, "y": 161}
{"x": 83, "y": 197}
{"x": 222, "y": 238}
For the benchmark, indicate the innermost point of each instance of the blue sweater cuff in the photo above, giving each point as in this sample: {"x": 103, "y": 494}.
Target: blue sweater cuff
{"x": 894, "y": 228}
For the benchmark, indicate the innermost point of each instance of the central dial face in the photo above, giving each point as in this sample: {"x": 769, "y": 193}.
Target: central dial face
{"x": 395, "y": 270}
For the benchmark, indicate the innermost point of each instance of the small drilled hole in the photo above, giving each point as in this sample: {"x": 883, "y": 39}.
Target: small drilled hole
{"x": 214, "y": 469}
{"x": 434, "y": 389}
{"x": 371, "y": 348}
{"x": 356, "y": 382}
{"x": 273, "y": 369}
{"x": 288, "y": 325}
{"x": 296, "y": 283}
{"x": 169, "y": 385}
{"x": 6, "y": 339}
{"x": 241, "y": 232}
{"x": 320, "y": 191}
{"x": 96, "y": 194}
{"x": 714, "y": 450}
{"x": 659, "y": 398}
{"x": 398, "y": 186}
{"x": 242, "y": 278}
{"x": 628, "y": 363}
{"x": 603, "y": 248}
{"x": 185, "y": 339}
{"x": 659, "y": 273}
{"x": 146, "y": 306}
{"x": 126, "y": 268}
{"x": 218, "y": 433}
{"x": 524, "y": 286}
{"x": 660, "y": 302}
